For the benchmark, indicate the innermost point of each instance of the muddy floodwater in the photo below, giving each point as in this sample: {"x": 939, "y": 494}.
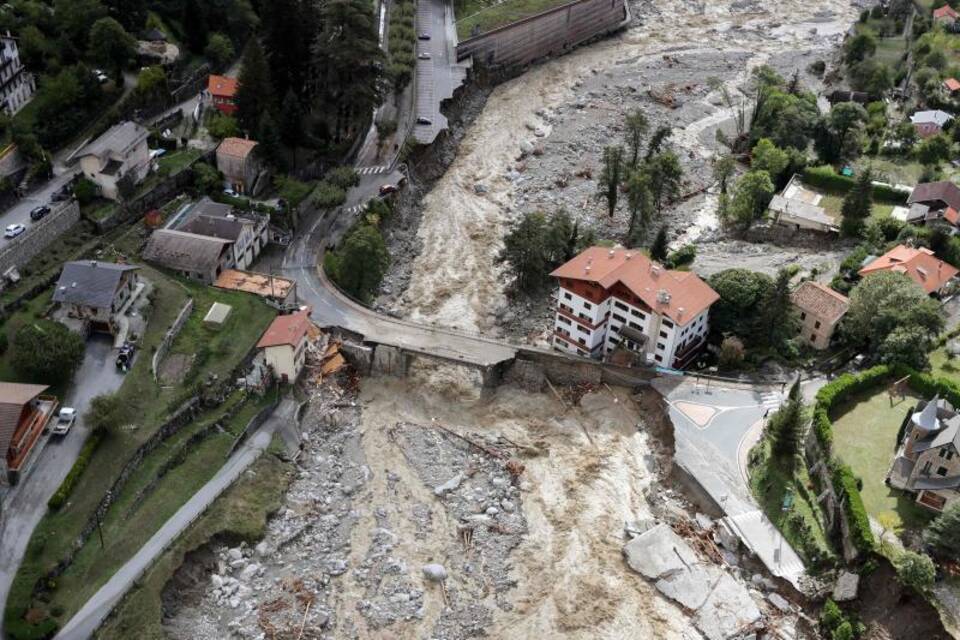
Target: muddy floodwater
{"x": 569, "y": 108}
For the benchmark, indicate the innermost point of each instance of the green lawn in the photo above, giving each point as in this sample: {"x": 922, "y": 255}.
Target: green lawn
{"x": 239, "y": 514}
{"x": 173, "y": 163}
{"x": 864, "y": 436}
{"x": 833, "y": 204}
{"x": 99, "y": 209}
{"x": 149, "y": 405}
{"x": 942, "y": 366}
{"x": 802, "y": 524}
{"x": 479, "y": 16}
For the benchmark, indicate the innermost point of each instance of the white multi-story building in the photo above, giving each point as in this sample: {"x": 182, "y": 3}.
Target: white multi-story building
{"x": 615, "y": 300}
{"x": 17, "y": 85}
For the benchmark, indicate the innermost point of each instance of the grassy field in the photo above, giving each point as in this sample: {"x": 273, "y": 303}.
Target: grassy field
{"x": 833, "y": 204}
{"x": 864, "y": 436}
{"x": 99, "y": 209}
{"x": 239, "y": 514}
{"x": 173, "y": 163}
{"x": 29, "y": 312}
{"x": 479, "y": 16}
{"x": 770, "y": 481}
{"x": 943, "y": 366}
{"x": 149, "y": 405}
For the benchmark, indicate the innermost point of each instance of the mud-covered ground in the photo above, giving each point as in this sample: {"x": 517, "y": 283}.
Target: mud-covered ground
{"x": 536, "y": 145}
{"x": 421, "y": 514}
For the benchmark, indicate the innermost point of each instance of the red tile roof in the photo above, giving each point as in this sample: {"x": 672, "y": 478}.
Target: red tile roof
{"x": 952, "y": 216}
{"x": 222, "y": 86}
{"x": 945, "y": 11}
{"x": 920, "y": 265}
{"x": 952, "y": 84}
{"x": 687, "y": 297}
{"x": 236, "y": 147}
{"x": 289, "y": 329}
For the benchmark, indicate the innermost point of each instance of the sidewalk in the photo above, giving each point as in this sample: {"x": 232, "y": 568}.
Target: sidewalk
{"x": 91, "y": 616}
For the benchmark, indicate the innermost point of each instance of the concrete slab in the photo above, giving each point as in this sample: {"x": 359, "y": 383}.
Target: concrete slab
{"x": 690, "y": 587}
{"x": 728, "y": 611}
{"x": 847, "y": 586}
{"x": 659, "y": 552}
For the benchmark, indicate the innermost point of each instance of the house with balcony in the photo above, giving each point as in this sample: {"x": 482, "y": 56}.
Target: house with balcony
{"x": 17, "y": 85}
{"x": 617, "y": 304}
{"x": 120, "y": 153}
{"x": 24, "y": 414}
{"x": 927, "y": 463}
{"x": 223, "y": 93}
{"x": 94, "y": 293}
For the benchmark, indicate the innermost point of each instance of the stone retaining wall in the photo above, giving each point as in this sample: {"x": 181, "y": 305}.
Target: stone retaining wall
{"x": 550, "y": 33}
{"x": 169, "y": 337}
{"x": 39, "y": 235}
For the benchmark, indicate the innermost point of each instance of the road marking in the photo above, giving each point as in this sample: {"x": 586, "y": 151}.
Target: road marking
{"x": 366, "y": 171}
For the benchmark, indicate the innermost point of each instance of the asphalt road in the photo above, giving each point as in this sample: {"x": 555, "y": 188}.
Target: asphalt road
{"x": 82, "y": 625}
{"x": 440, "y": 75}
{"x": 26, "y": 503}
{"x": 20, "y": 212}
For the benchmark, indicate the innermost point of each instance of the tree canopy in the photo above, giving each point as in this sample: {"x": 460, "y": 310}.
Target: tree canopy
{"x": 47, "y": 352}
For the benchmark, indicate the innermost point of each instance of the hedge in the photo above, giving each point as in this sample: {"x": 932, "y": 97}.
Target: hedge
{"x": 839, "y": 390}
{"x": 826, "y": 178}
{"x": 845, "y": 483}
{"x": 59, "y": 498}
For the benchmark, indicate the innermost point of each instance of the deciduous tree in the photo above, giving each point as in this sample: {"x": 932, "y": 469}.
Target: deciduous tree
{"x": 47, "y": 352}
{"x": 944, "y": 532}
{"x": 111, "y": 45}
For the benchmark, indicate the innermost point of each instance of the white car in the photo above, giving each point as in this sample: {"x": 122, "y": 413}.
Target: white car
{"x": 424, "y": 56}
{"x": 13, "y": 230}
{"x": 230, "y": 192}
{"x": 65, "y": 420}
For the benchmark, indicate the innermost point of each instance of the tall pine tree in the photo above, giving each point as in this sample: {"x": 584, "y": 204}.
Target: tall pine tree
{"x": 658, "y": 250}
{"x": 787, "y": 426}
{"x": 857, "y": 205}
{"x": 255, "y": 89}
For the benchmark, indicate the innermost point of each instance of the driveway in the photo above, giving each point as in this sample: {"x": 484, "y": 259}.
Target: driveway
{"x": 25, "y": 504}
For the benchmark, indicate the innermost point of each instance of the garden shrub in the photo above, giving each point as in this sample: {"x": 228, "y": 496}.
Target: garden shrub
{"x": 59, "y": 498}
{"x": 845, "y": 484}
{"x": 825, "y": 177}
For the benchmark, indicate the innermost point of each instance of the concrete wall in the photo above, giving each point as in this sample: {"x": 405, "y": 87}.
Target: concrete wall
{"x": 39, "y": 235}
{"x": 549, "y": 33}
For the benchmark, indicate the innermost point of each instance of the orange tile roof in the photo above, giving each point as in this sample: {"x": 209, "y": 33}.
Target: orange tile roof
{"x": 267, "y": 286}
{"x": 688, "y": 294}
{"x": 952, "y": 216}
{"x": 289, "y": 329}
{"x": 821, "y": 301}
{"x": 222, "y": 86}
{"x": 952, "y": 84}
{"x": 920, "y": 265}
{"x": 237, "y": 147}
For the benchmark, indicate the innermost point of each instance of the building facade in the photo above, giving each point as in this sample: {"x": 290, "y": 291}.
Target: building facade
{"x": 619, "y": 305}
{"x": 927, "y": 463}
{"x": 284, "y": 344}
{"x": 821, "y": 309}
{"x": 17, "y": 85}
{"x": 223, "y": 93}
{"x": 95, "y": 292}
{"x": 237, "y": 161}
{"x": 120, "y": 152}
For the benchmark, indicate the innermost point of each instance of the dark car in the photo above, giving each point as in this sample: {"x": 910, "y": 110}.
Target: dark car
{"x": 39, "y": 212}
{"x": 125, "y": 357}
{"x": 424, "y": 36}
{"x": 387, "y": 189}
{"x": 422, "y": 120}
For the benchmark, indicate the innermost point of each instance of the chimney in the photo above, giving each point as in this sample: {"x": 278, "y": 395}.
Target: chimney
{"x": 654, "y": 270}
{"x": 610, "y": 253}
{"x": 663, "y": 296}
{"x": 680, "y": 313}
{"x": 629, "y": 255}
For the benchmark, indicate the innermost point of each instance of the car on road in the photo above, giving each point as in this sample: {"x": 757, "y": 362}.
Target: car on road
{"x": 426, "y": 121}
{"x": 424, "y": 36}
{"x": 387, "y": 189}
{"x": 230, "y": 192}
{"x": 65, "y": 420}
{"x": 13, "y": 230}
{"x": 37, "y": 213}
{"x": 424, "y": 55}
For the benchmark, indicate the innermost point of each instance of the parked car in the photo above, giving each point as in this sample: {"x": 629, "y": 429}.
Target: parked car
{"x": 13, "y": 230}
{"x": 39, "y": 212}
{"x": 230, "y": 192}
{"x": 101, "y": 77}
{"x": 387, "y": 189}
{"x": 424, "y": 55}
{"x": 65, "y": 420}
{"x": 424, "y": 36}
{"x": 125, "y": 357}
{"x": 422, "y": 120}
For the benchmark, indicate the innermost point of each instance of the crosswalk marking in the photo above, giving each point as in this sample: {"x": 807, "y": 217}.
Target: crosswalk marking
{"x": 366, "y": 171}
{"x": 356, "y": 209}
{"x": 771, "y": 400}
